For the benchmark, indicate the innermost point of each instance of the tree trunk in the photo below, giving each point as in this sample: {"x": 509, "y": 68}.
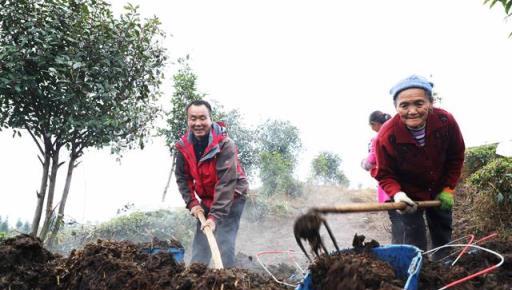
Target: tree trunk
{"x": 173, "y": 162}
{"x": 51, "y": 193}
{"x": 62, "y": 205}
{"x": 42, "y": 189}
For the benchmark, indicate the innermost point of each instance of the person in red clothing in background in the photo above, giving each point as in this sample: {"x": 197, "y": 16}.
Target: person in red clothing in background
{"x": 207, "y": 168}
{"x": 420, "y": 153}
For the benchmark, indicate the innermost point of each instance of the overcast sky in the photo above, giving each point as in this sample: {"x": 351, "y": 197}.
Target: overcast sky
{"x": 323, "y": 65}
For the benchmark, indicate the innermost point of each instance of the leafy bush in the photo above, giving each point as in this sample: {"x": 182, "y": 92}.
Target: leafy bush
{"x": 491, "y": 194}
{"x": 137, "y": 227}
{"x": 259, "y": 206}
{"x": 478, "y": 157}
{"x": 325, "y": 168}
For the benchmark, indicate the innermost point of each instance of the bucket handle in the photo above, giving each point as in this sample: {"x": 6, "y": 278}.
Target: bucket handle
{"x": 415, "y": 263}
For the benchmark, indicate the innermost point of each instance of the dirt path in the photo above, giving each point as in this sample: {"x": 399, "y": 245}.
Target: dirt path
{"x": 276, "y": 232}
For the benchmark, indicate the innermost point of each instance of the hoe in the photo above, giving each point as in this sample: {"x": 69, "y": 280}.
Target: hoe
{"x": 307, "y": 226}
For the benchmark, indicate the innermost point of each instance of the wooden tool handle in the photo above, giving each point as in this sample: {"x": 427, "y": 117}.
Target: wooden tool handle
{"x": 373, "y": 206}
{"x": 217, "y": 260}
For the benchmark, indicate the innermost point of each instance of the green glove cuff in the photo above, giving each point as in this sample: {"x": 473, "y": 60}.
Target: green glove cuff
{"x": 446, "y": 199}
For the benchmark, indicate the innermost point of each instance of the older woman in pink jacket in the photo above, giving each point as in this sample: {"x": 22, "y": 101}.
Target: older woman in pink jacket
{"x": 377, "y": 119}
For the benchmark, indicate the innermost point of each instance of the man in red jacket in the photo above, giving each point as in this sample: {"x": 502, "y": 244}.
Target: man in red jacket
{"x": 212, "y": 181}
{"x": 420, "y": 153}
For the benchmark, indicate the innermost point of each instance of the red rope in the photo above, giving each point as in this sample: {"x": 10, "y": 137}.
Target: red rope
{"x": 484, "y": 271}
{"x": 487, "y": 238}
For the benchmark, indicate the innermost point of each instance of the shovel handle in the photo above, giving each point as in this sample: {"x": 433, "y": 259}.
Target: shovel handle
{"x": 372, "y": 206}
{"x": 217, "y": 260}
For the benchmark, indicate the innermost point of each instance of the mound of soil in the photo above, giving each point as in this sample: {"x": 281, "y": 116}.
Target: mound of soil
{"x": 121, "y": 265}
{"x": 199, "y": 277}
{"x": 157, "y": 243}
{"x": 353, "y": 271}
{"x": 356, "y": 269}
{"x": 25, "y": 264}
{"x": 118, "y": 265}
{"x": 435, "y": 275}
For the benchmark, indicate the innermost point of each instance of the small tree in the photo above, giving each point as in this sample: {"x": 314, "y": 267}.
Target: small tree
{"x": 185, "y": 91}
{"x": 276, "y": 173}
{"x": 325, "y": 168}
{"x": 75, "y": 77}
{"x": 281, "y": 137}
{"x": 243, "y": 136}
{"x": 279, "y": 144}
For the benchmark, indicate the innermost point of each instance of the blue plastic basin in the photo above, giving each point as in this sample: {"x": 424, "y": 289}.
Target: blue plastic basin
{"x": 177, "y": 253}
{"x": 405, "y": 259}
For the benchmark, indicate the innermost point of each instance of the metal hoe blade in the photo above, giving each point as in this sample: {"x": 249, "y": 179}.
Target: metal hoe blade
{"x": 307, "y": 227}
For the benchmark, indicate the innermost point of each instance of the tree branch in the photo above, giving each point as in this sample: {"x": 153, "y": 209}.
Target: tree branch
{"x": 35, "y": 140}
